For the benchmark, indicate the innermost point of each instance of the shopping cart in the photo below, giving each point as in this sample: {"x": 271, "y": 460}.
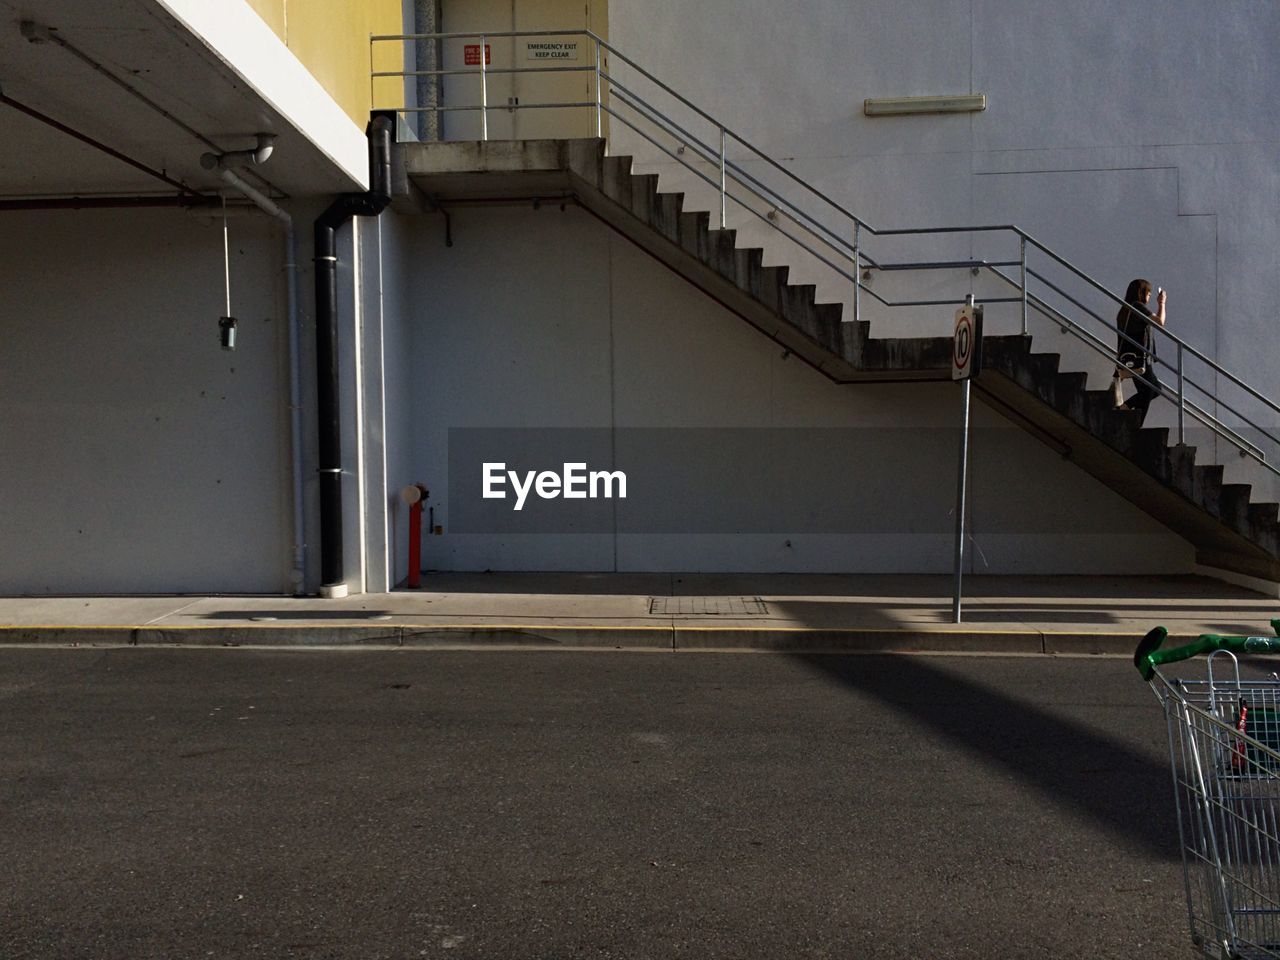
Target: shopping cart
{"x": 1224, "y": 745}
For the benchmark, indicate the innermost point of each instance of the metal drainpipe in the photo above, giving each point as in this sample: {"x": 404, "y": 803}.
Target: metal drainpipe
{"x": 297, "y": 575}
{"x": 370, "y": 204}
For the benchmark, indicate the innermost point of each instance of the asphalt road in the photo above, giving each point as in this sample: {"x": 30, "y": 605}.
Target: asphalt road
{"x": 404, "y": 804}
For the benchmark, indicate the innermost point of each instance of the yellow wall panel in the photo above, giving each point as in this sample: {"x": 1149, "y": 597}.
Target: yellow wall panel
{"x": 272, "y": 11}
{"x": 331, "y": 38}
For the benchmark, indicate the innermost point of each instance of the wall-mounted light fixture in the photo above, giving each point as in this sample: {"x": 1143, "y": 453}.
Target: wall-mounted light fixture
{"x": 906, "y": 106}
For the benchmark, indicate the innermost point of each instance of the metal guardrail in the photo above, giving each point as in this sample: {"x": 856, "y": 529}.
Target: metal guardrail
{"x": 840, "y": 250}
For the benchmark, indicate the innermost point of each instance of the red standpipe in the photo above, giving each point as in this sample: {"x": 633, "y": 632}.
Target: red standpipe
{"x": 414, "y": 495}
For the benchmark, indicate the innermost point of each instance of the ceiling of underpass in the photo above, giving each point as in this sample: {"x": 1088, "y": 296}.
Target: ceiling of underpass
{"x": 141, "y": 45}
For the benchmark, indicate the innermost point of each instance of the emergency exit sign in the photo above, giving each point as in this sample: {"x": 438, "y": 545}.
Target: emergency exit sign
{"x": 551, "y": 50}
{"x": 471, "y": 55}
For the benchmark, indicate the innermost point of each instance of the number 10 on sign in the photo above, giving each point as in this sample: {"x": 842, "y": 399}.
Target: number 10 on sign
{"x": 966, "y": 345}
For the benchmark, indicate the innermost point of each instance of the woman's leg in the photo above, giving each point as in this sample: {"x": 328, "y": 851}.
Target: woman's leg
{"x": 1148, "y": 387}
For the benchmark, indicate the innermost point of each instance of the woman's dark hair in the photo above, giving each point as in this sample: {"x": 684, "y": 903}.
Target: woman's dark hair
{"x": 1136, "y": 293}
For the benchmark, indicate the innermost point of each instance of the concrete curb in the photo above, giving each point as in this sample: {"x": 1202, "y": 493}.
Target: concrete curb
{"x": 657, "y": 637}
{"x": 67, "y": 636}
{"x": 252, "y": 635}
{"x": 974, "y": 639}
{"x": 1085, "y": 643}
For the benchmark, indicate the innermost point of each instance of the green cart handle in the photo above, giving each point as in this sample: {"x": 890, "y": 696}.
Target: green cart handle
{"x": 1148, "y": 656}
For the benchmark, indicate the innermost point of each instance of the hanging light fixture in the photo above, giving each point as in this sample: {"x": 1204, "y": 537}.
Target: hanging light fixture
{"x": 226, "y": 323}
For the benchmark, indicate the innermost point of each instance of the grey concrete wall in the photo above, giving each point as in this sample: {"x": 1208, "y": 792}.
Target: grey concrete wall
{"x": 137, "y": 455}
{"x": 548, "y": 319}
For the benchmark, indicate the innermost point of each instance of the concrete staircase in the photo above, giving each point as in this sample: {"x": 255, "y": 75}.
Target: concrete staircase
{"x": 1228, "y": 530}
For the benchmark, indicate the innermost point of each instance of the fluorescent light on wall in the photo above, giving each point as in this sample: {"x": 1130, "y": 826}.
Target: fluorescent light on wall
{"x": 904, "y": 106}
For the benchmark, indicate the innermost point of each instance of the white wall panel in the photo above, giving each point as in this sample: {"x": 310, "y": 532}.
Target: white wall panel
{"x": 401, "y": 414}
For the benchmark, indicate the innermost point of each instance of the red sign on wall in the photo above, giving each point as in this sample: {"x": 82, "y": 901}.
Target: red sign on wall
{"x": 471, "y": 55}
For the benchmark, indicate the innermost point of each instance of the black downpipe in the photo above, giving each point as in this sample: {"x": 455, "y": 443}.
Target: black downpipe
{"x": 339, "y": 212}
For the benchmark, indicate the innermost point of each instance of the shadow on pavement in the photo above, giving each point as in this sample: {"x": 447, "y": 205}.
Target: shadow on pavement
{"x": 1118, "y": 787}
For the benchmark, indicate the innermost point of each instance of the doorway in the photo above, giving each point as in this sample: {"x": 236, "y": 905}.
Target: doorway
{"x": 514, "y": 98}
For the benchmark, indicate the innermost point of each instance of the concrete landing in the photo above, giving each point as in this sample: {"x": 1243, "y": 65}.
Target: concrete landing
{"x": 681, "y": 612}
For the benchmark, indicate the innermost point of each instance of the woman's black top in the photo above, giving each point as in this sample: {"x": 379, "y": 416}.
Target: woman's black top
{"x": 1137, "y": 326}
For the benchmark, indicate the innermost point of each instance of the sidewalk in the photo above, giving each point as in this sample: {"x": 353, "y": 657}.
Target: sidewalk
{"x": 793, "y": 612}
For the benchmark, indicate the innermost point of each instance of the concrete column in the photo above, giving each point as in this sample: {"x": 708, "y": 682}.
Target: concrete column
{"x": 427, "y": 56}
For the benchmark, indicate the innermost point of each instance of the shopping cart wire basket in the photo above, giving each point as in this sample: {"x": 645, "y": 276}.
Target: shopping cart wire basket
{"x": 1224, "y": 748}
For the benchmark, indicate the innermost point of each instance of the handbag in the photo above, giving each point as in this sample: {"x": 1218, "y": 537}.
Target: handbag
{"x": 1130, "y": 365}
{"x": 1125, "y": 369}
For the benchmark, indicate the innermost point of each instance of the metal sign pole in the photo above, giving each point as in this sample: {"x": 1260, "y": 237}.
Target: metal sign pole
{"x": 960, "y": 497}
{"x": 965, "y": 354}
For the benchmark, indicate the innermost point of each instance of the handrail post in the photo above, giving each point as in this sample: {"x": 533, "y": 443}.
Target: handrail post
{"x": 723, "y": 223}
{"x": 599, "y": 97}
{"x": 1024, "y": 286}
{"x": 857, "y": 269}
{"x": 1182, "y": 407}
{"x": 484, "y": 94}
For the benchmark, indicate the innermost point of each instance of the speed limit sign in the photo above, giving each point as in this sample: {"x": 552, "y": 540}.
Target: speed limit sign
{"x": 966, "y": 345}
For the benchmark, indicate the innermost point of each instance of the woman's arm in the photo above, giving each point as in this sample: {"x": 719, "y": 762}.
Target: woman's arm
{"x": 1159, "y": 314}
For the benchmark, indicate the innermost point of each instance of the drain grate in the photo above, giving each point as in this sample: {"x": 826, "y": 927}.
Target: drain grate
{"x": 708, "y": 606}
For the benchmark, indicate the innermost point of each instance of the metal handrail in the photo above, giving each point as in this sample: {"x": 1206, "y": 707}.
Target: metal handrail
{"x": 814, "y": 253}
{"x": 845, "y": 249}
{"x": 833, "y": 240}
{"x": 493, "y": 34}
{"x": 1214, "y": 423}
{"x": 826, "y": 234}
{"x": 830, "y": 240}
{"x": 467, "y": 71}
{"x": 1155, "y": 357}
{"x": 1013, "y": 228}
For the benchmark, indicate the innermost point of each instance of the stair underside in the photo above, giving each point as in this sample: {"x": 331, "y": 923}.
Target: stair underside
{"x": 1226, "y": 530}
{"x": 1173, "y": 499}
{"x": 550, "y": 170}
